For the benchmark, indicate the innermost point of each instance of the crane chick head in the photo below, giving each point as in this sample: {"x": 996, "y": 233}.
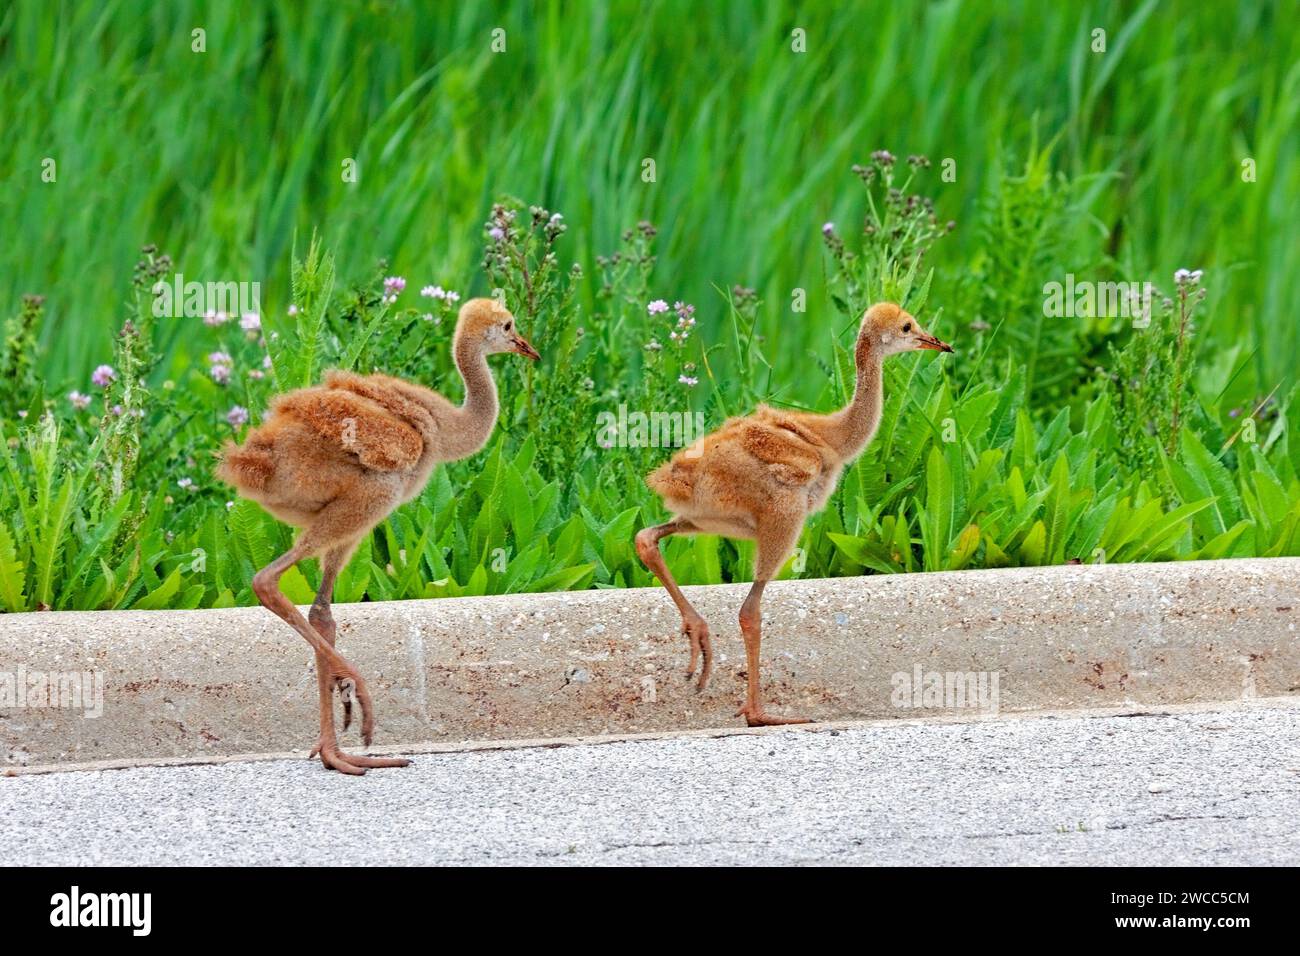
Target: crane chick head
{"x": 891, "y": 330}
{"x": 489, "y": 325}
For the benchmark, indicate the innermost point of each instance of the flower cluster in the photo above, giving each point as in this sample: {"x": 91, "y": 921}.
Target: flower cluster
{"x": 638, "y": 253}
{"x": 681, "y": 316}
{"x": 833, "y": 241}
{"x": 444, "y": 302}
{"x": 680, "y": 332}
{"x": 438, "y": 292}
{"x": 552, "y": 223}
{"x": 393, "y": 287}
{"x": 685, "y": 322}
{"x": 1190, "y": 291}
{"x": 220, "y": 366}
{"x": 644, "y": 228}
{"x": 501, "y": 229}
{"x": 501, "y": 223}
{"x": 151, "y": 267}
{"x": 899, "y": 228}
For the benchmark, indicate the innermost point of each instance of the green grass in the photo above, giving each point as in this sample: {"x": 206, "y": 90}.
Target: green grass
{"x": 1119, "y": 165}
{"x": 222, "y": 157}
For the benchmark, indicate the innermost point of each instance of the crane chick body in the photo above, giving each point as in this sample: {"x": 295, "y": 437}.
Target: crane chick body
{"x": 335, "y": 459}
{"x": 759, "y": 477}
{"x": 372, "y": 437}
{"x": 768, "y": 461}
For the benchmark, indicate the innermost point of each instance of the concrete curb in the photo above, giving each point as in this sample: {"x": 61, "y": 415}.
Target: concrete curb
{"x": 832, "y": 727}
{"x": 196, "y": 684}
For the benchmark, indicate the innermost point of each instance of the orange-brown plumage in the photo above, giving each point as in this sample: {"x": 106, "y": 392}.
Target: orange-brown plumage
{"x": 318, "y": 443}
{"x": 760, "y": 476}
{"x": 744, "y": 465}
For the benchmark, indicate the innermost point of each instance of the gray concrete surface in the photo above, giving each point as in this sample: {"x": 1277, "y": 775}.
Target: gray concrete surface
{"x": 1201, "y": 788}
{"x": 194, "y": 683}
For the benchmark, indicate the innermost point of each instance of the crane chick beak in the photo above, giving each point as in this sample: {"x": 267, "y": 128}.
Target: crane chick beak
{"x": 927, "y": 341}
{"x": 521, "y": 347}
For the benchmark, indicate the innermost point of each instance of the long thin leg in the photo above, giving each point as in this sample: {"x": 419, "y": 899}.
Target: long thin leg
{"x": 266, "y": 585}
{"x": 322, "y": 619}
{"x": 693, "y": 626}
{"x": 774, "y": 545}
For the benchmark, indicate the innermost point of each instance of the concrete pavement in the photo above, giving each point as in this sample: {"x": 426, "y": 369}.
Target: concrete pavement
{"x": 1199, "y": 787}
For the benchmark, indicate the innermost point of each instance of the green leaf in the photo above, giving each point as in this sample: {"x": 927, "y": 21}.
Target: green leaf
{"x": 1034, "y": 548}
{"x": 566, "y": 579}
{"x": 1057, "y": 511}
{"x": 939, "y": 510}
{"x": 13, "y": 575}
{"x": 967, "y": 543}
{"x": 160, "y": 597}
{"x": 295, "y": 586}
{"x": 1222, "y": 545}
{"x": 1206, "y": 477}
{"x": 355, "y": 576}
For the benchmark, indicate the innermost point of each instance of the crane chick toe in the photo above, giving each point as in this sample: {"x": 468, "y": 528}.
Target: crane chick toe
{"x": 758, "y": 717}
{"x": 697, "y": 632}
{"x": 354, "y": 765}
{"x": 347, "y": 689}
{"x": 353, "y": 690}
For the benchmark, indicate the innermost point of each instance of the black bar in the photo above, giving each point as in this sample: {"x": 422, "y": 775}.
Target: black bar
{"x": 1013, "y": 904}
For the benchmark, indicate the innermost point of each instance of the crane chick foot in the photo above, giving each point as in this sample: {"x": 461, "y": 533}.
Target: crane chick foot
{"x": 756, "y": 716}
{"x": 354, "y": 764}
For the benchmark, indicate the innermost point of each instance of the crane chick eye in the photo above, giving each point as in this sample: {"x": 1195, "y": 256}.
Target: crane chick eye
{"x": 508, "y": 325}
{"x": 907, "y": 326}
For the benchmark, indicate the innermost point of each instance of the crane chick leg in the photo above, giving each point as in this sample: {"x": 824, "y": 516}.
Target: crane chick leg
{"x": 321, "y": 618}
{"x": 693, "y": 626}
{"x": 773, "y": 547}
{"x": 339, "y": 522}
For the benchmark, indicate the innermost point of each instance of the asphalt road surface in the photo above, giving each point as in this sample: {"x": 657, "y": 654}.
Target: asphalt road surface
{"x": 1192, "y": 788}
